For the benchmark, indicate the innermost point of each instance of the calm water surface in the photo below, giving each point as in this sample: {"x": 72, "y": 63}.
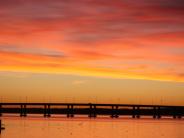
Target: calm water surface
{"x": 31, "y": 127}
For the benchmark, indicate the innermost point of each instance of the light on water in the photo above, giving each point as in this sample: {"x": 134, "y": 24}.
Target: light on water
{"x": 36, "y": 127}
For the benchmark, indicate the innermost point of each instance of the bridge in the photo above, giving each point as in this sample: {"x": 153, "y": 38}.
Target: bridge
{"x": 92, "y": 110}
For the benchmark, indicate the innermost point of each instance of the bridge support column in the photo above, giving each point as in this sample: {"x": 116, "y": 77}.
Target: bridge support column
{"x": 112, "y": 112}
{"x": 179, "y": 111}
{"x": 116, "y": 112}
{"x": 154, "y": 112}
{"x": 47, "y": 112}
{"x": 133, "y": 112}
{"x": 0, "y": 126}
{"x": 92, "y": 111}
{"x": 138, "y": 112}
{"x": 174, "y": 113}
{"x": 24, "y": 111}
{"x": 70, "y": 110}
{"x": 179, "y": 116}
{"x": 158, "y": 113}
{"x": 0, "y": 110}
{"x": 21, "y": 110}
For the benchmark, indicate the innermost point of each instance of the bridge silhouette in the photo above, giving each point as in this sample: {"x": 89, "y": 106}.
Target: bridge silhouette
{"x": 92, "y": 110}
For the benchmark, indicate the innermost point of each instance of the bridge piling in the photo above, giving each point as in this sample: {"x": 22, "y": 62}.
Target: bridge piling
{"x": 133, "y": 112}
{"x": 179, "y": 111}
{"x": 112, "y": 112}
{"x": 116, "y": 112}
{"x": 0, "y": 110}
{"x": 154, "y": 112}
{"x": 0, "y": 126}
{"x": 21, "y": 110}
{"x": 24, "y": 111}
{"x": 138, "y": 112}
{"x": 93, "y": 112}
{"x": 158, "y": 113}
{"x": 90, "y": 110}
{"x": 174, "y": 113}
{"x": 45, "y": 110}
{"x": 70, "y": 110}
{"x": 48, "y": 111}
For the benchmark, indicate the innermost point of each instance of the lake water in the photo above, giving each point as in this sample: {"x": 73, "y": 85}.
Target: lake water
{"x": 37, "y": 127}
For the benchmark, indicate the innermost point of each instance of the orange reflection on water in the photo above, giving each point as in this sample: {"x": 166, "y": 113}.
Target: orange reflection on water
{"x": 91, "y": 128}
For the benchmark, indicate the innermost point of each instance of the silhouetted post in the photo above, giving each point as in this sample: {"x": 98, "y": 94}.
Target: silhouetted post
{"x": 72, "y": 111}
{"x": 179, "y": 116}
{"x": 138, "y": 112}
{"x": 21, "y": 110}
{"x": 24, "y": 111}
{"x": 48, "y": 111}
{"x": 112, "y": 112}
{"x": 174, "y": 113}
{"x": 0, "y": 110}
{"x": 94, "y": 111}
{"x": 158, "y": 113}
{"x": 154, "y": 112}
{"x": 68, "y": 110}
{"x": 45, "y": 110}
{"x": 179, "y": 113}
{"x": 133, "y": 112}
{"x": 0, "y": 126}
{"x": 90, "y": 110}
{"x": 116, "y": 112}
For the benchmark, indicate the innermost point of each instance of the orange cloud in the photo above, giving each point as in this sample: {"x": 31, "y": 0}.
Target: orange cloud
{"x": 123, "y": 39}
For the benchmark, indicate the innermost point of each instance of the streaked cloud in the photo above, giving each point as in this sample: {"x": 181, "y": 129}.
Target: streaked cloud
{"x": 124, "y": 39}
{"x": 31, "y": 51}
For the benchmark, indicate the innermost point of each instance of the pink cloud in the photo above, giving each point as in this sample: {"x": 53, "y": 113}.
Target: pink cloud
{"x": 141, "y": 36}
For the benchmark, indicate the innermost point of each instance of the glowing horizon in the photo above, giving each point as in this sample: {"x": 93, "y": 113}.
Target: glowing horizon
{"x": 136, "y": 40}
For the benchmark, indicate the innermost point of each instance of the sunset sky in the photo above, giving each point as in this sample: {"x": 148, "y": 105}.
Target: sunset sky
{"x": 115, "y": 51}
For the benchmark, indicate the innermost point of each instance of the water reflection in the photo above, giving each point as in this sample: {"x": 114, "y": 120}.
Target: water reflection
{"x": 30, "y": 127}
